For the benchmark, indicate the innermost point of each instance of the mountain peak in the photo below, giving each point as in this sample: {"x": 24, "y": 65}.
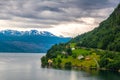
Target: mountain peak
{"x": 28, "y": 41}
{"x": 20, "y": 33}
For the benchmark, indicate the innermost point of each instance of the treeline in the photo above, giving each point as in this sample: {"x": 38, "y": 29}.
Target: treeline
{"x": 110, "y": 60}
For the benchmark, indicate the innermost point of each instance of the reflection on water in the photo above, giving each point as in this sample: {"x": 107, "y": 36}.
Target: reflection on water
{"x": 73, "y": 76}
{"x": 14, "y": 66}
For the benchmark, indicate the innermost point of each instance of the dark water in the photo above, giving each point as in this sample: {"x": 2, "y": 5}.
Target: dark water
{"x": 27, "y": 67}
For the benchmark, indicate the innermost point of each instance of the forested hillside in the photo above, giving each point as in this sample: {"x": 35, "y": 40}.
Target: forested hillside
{"x": 97, "y": 49}
{"x": 106, "y": 36}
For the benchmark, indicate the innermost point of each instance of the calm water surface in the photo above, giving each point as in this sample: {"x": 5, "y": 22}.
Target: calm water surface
{"x": 14, "y": 66}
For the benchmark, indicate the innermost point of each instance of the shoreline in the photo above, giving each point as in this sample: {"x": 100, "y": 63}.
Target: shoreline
{"x": 79, "y": 68}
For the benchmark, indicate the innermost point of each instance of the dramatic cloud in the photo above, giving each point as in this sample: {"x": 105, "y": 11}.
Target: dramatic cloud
{"x": 61, "y": 17}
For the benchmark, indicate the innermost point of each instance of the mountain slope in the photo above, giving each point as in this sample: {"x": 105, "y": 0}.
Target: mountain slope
{"x": 85, "y": 51}
{"x": 28, "y": 41}
{"x": 106, "y": 36}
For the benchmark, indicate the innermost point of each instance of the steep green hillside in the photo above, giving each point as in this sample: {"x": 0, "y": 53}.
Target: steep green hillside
{"x": 97, "y": 49}
{"x": 106, "y": 36}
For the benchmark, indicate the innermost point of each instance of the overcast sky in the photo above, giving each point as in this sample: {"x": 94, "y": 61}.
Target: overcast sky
{"x": 61, "y": 17}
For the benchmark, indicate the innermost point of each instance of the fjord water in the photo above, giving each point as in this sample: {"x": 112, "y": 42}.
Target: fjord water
{"x": 14, "y": 66}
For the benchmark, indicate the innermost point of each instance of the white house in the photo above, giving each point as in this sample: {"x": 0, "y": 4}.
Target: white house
{"x": 80, "y": 57}
{"x": 72, "y": 48}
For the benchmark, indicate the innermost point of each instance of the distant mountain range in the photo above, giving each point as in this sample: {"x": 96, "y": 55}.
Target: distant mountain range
{"x": 28, "y": 41}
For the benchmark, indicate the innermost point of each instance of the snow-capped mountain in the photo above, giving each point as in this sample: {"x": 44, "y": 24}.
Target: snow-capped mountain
{"x": 28, "y": 41}
{"x": 21, "y": 33}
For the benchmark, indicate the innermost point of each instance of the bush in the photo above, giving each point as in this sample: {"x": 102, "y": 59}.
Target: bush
{"x": 68, "y": 65}
{"x": 44, "y": 62}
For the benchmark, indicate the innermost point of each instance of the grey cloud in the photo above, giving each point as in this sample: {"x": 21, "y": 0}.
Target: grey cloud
{"x": 54, "y": 9}
{"x": 92, "y": 4}
{"x": 51, "y": 12}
